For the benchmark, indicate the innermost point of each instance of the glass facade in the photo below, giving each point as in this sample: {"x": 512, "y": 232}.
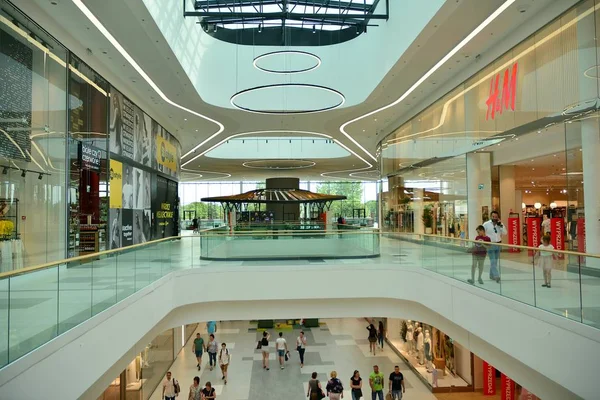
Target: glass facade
{"x": 532, "y": 114}
{"x": 59, "y": 131}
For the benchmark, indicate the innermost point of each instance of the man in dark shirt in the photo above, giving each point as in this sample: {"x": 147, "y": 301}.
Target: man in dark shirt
{"x": 397, "y": 384}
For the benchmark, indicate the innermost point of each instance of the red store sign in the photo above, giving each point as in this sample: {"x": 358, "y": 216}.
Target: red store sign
{"x": 508, "y": 388}
{"x": 533, "y": 232}
{"x": 489, "y": 380}
{"x": 514, "y": 234}
{"x": 558, "y": 235}
{"x": 497, "y": 101}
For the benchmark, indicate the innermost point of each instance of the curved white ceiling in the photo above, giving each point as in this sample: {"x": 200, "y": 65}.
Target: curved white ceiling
{"x": 219, "y": 69}
{"x": 273, "y": 148}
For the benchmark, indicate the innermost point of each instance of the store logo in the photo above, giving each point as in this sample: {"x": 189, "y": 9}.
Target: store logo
{"x": 497, "y": 101}
{"x": 165, "y": 155}
{"x": 115, "y": 175}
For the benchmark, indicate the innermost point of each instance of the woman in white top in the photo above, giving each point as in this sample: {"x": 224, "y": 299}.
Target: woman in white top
{"x": 546, "y": 259}
{"x": 301, "y": 347}
{"x": 264, "y": 346}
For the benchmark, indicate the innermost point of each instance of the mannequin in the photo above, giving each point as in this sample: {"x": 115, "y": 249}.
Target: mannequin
{"x": 410, "y": 341}
{"x": 427, "y": 350}
{"x": 420, "y": 343}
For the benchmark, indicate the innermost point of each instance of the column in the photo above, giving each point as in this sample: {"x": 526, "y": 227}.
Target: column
{"x": 590, "y": 141}
{"x": 479, "y": 189}
{"x": 508, "y": 198}
{"x": 417, "y": 204}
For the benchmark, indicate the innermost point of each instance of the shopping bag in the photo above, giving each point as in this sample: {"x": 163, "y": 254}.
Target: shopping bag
{"x": 388, "y": 396}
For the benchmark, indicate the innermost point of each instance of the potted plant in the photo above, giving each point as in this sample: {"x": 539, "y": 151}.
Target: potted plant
{"x": 428, "y": 219}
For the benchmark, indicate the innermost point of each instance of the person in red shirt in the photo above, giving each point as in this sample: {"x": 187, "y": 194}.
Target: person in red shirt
{"x": 479, "y": 252}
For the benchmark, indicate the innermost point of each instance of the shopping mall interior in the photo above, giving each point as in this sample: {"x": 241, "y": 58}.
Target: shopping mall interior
{"x": 242, "y": 168}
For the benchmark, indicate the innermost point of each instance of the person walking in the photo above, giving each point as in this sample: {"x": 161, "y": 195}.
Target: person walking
{"x": 212, "y": 347}
{"x": 478, "y": 254}
{"x": 209, "y": 393}
{"x": 494, "y": 229}
{"x": 372, "y": 338}
{"x": 335, "y": 389}
{"x": 397, "y": 384}
{"x": 224, "y": 359}
{"x": 546, "y": 260}
{"x": 195, "y": 390}
{"x": 264, "y": 347}
{"x": 314, "y": 388}
{"x": 301, "y": 347}
{"x": 170, "y": 387}
{"x": 381, "y": 334}
{"x": 198, "y": 347}
{"x": 211, "y": 327}
{"x": 356, "y": 385}
{"x": 281, "y": 347}
{"x": 376, "y": 381}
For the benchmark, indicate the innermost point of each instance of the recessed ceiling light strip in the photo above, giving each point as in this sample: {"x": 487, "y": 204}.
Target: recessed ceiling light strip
{"x": 90, "y": 16}
{"x": 437, "y": 66}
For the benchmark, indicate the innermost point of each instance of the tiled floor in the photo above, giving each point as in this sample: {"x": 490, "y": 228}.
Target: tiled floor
{"x": 338, "y": 345}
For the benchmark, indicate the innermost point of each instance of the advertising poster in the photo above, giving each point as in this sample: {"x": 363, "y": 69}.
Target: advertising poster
{"x": 533, "y": 232}
{"x": 126, "y": 228}
{"x": 121, "y": 126}
{"x": 114, "y": 216}
{"x": 489, "y": 380}
{"x": 164, "y": 208}
{"x": 138, "y": 188}
{"x": 507, "y": 387}
{"x": 514, "y": 233}
{"x": 558, "y": 235}
{"x": 127, "y": 189}
{"x": 89, "y": 157}
{"x": 116, "y": 184}
{"x": 138, "y": 227}
{"x": 142, "y": 150}
{"x": 581, "y": 234}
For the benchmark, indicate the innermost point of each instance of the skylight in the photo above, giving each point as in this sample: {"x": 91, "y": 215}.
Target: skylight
{"x": 276, "y": 19}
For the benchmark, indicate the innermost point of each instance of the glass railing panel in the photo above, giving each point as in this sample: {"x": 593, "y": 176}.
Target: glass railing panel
{"x": 590, "y": 295}
{"x": 515, "y": 277}
{"x": 104, "y": 282}
{"x": 4, "y": 322}
{"x": 33, "y": 311}
{"x": 75, "y": 282}
{"x": 125, "y": 266}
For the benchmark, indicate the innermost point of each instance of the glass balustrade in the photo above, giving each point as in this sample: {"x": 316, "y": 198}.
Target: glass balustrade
{"x": 40, "y": 303}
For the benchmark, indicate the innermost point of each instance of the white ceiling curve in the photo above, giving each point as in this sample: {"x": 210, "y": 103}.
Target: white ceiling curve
{"x": 219, "y": 69}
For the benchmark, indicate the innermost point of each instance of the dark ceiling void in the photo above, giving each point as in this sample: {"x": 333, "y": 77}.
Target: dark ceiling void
{"x": 287, "y": 22}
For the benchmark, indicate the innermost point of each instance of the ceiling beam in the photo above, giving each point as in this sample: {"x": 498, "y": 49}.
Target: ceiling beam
{"x": 284, "y": 15}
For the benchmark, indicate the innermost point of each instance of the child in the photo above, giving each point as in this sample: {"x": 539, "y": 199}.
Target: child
{"x": 479, "y": 251}
{"x": 545, "y": 259}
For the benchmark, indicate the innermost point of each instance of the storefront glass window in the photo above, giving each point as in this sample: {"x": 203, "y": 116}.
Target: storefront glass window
{"x": 33, "y": 125}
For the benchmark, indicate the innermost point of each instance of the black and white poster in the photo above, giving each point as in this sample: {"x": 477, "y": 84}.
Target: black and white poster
{"x": 142, "y": 150}
{"x": 114, "y": 216}
{"x": 141, "y": 189}
{"x": 128, "y": 191}
{"x": 127, "y": 228}
{"x": 121, "y": 127}
{"x": 138, "y": 227}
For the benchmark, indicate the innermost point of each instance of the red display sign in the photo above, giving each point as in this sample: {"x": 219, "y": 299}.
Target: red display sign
{"x": 527, "y": 395}
{"x": 581, "y": 238}
{"x": 489, "y": 380}
{"x": 508, "y": 388}
{"x": 498, "y": 102}
{"x": 558, "y": 235}
{"x": 533, "y": 232}
{"x": 514, "y": 234}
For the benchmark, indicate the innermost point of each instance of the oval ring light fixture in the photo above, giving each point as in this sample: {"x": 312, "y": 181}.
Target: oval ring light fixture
{"x": 283, "y": 53}
{"x": 284, "y": 112}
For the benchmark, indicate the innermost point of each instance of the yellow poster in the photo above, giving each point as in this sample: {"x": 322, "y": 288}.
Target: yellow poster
{"x": 116, "y": 184}
{"x": 166, "y": 153}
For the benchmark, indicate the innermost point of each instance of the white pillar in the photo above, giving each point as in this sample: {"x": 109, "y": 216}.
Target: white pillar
{"x": 479, "y": 189}
{"x": 590, "y": 141}
{"x": 508, "y": 198}
{"x": 417, "y": 205}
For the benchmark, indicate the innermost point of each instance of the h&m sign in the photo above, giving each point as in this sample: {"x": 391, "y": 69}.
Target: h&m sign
{"x": 497, "y": 101}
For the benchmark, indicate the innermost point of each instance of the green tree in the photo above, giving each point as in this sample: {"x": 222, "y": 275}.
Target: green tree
{"x": 353, "y": 192}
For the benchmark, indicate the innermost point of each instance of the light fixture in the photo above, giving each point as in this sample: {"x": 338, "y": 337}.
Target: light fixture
{"x": 537, "y": 206}
{"x": 92, "y": 18}
{"x": 4, "y": 170}
{"x": 215, "y": 28}
{"x": 523, "y": 206}
{"x": 23, "y": 173}
{"x": 553, "y": 205}
{"x": 259, "y": 28}
{"x": 428, "y": 74}
{"x": 313, "y": 66}
{"x": 40, "y": 176}
{"x": 314, "y": 29}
